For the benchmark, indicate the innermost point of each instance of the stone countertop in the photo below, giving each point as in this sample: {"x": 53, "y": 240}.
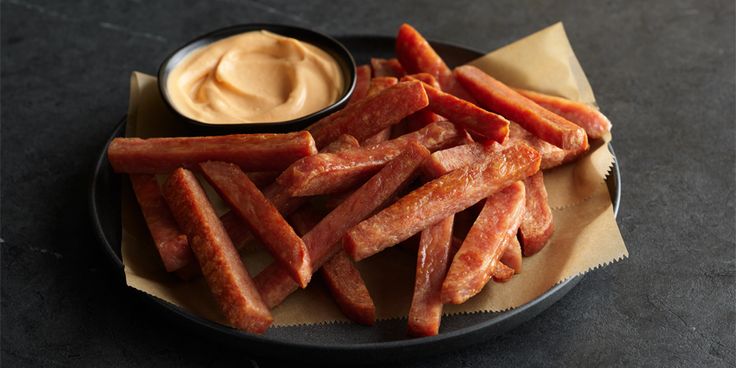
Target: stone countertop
{"x": 662, "y": 71}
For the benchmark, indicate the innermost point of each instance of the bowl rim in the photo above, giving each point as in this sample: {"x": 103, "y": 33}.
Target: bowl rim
{"x": 337, "y": 50}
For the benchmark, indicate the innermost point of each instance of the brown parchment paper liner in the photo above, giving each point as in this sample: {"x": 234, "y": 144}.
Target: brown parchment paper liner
{"x": 586, "y": 235}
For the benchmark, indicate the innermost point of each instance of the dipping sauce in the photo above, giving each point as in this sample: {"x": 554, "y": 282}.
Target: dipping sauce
{"x": 255, "y": 77}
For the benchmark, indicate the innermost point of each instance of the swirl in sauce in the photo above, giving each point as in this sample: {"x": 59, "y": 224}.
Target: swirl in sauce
{"x": 255, "y": 77}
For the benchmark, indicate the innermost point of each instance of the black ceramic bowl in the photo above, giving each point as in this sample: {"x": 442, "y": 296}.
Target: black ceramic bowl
{"x": 328, "y": 44}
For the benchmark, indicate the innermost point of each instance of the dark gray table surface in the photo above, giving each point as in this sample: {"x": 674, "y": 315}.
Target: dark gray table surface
{"x": 663, "y": 71}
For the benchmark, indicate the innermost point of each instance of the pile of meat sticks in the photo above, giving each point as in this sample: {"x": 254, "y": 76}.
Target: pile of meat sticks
{"x": 417, "y": 145}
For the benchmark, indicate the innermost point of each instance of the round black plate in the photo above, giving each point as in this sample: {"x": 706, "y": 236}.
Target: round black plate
{"x": 341, "y": 342}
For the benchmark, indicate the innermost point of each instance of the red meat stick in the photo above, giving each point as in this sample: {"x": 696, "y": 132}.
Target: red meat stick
{"x": 226, "y": 276}
{"x": 537, "y": 221}
{"x": 593, "y": 121}
{"x": 236, "y": 229}
{"x": 323, "y": 240}
{"x": 280, "y": 196}
{"x": 341, "y": 276}
{"x": 498, "y": 97}
{"x": 423, "y": 77}
{"x": 252, "y": 152}
{"x": 370, "y": 115}
{"x": 348, "y": 289}
{"x": 453, "y": 158}
{"x": 387, "y": 68}
{"x": 362, "y": 83}
{"x": 551, "y": 156}
{"x": 475, "y": 262}
{"x": 440, "y": 198}
{"x": 462, "y": 155}
{"x": 537, "y": 226}
{"x": 286, "y": 204}
{"x": 442, "y": 162}
{"x": 436, "y": 246}
{"x": 326, "y": 173}
{"x": 425, "y": 312}
{"x": 170, "y": 242}
{"x": 378, "y": 84}
{"x": 263, "y": 179}
{"x": 479, "y": 122}
{"x": 342, "y": 143}
{"x": 425, "y": 116}
{"x": 512, "y": 255}
{"x": 263, "y": 219}
{"x": 502, "y": 272}
{"x": 417, "y": 56}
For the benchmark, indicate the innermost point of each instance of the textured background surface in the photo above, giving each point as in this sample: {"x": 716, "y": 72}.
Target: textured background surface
{"x": 663, "y": 71}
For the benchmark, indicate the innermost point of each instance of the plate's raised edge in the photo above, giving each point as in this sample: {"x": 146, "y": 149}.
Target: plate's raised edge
{"x": 385, "y": 38}
{"x": 94, "y": 213}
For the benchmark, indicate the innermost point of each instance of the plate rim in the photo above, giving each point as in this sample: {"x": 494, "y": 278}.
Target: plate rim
{"x": 243, "y": 337}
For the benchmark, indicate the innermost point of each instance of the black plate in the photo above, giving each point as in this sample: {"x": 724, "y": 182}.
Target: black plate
{"x": 333, "y": 343}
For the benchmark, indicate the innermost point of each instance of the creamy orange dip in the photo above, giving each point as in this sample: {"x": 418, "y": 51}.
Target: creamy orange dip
{"x": 254, "y": 77}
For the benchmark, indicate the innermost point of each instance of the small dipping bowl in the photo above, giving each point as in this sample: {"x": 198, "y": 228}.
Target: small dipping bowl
{"x": 328, "y": 44}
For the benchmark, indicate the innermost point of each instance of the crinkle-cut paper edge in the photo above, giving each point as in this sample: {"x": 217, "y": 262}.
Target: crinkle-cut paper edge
{"x": 601, "y": 265}
{"x": 348, "y": 321}
{"x": 444, "y": 314}
{"x": 321, "y": 323}
{"x": 587, "y": 198}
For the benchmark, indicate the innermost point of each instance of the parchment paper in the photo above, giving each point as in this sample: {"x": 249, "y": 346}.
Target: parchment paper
{"x": 586, "y": 235}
